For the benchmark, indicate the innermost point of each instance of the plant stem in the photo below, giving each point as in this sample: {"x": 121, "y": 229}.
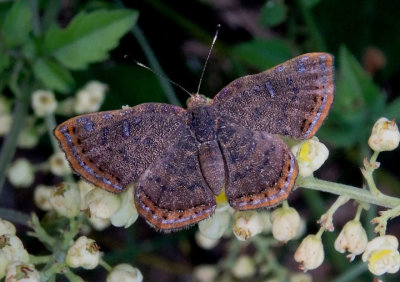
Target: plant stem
{"x": 10, "y": 142}
{"x": 312, "y": 27}
{"x": 154, "y": 64}
{"x": 352, "y": 192}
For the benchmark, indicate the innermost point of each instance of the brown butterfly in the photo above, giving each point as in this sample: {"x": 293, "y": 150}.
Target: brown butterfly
{"x": 181, "y": 159}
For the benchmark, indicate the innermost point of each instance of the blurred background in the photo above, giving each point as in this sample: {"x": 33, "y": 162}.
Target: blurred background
{"x": 173, "y": 38}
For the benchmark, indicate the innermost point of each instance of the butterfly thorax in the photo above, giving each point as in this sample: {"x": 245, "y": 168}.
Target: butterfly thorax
{"x": 202, "y": 120}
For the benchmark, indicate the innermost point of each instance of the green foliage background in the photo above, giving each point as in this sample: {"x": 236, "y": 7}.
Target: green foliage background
{"x": 60, "y": 45}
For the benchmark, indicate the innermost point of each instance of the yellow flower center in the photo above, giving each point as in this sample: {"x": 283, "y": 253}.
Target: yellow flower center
{"x": 304, "y": 151}
{"x": 378, "y": 255}
{"x": 221, "y": 198}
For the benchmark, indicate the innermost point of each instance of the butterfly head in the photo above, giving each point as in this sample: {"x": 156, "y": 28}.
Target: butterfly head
{"x": 197, "y": 100}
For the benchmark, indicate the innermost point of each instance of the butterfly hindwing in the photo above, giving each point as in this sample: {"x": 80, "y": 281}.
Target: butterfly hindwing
{"x": 111, "y": 149}
{"x": 290, "y": 99}
{"x": 172, "y": 193}
{"x": 261, "y": 170}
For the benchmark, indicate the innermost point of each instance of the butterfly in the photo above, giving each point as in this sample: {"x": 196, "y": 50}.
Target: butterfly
{"x": 180, "y": 159}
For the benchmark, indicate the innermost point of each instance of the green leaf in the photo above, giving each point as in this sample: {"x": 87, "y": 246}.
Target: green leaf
{"x": 273, "y": 13}
{"x": 89, "y": 37}
{"x": 263, "y": 54}
{"x": 17, "y": 24}
{"x": 393, "y": 110}
{"x": 53, "y": 76}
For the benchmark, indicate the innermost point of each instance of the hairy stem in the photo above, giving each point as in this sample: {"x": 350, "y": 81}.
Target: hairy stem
{"x": 352, "y": 192}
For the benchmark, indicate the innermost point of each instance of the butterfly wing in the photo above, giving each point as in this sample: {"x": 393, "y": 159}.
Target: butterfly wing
{"x": 172, "y": 193}
{"x": 261, "y": 170}
{"x": 290, "y": 99}
{"x": 111, "y": 149}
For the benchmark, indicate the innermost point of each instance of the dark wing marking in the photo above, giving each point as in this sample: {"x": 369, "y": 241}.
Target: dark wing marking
{"x": 260, "y": 168}
{"x": 111, "y": 149}
{"x": 290, "y": 99}
{"x": 172, "y": 193}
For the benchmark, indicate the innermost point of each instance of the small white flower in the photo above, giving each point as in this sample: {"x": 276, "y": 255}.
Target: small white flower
{"x": 101, "y": 203}
{"x": 352, "y": 239}
{"x": 244, "y": 267}
{"x": 99, "y": 224}
{"x": 385, "y": 135}
{"x": 248, "y": 224}
{"x": 11, "y": 249}
{"x": 21, "y": 173}
{"x": 310, "y": 155}
{"x": 205, "y": 242}
{"x": 90, "y": 98}
{"x": 65, "y": 200}
{"x": 59, "y": 165}
{"x": 127, "y": 213}
{"x": 205, "y": 273}
{"x": 21, "y": 272}
{"x": 382, "y": 255}
{"x": 216, "y": 225}
{"x": 84, "y": 253}
{"x": 42, "y": 195}
{"x": 84, "y": 188}
{"x": 5, "y": 124}
{"x": 125, "y": 273}
{"x": 310, "y": 254}
{"x": 7, "y": 228}
{"x": 43, "y": 103}
{"x": 285, "y": 223}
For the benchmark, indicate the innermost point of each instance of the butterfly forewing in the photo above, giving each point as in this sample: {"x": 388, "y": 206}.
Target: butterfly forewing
{"x": 291, "y": 99}
{"x": 172, "y": 192}
{"x": 261, "y": 169}
{"x": 111, "y": 149}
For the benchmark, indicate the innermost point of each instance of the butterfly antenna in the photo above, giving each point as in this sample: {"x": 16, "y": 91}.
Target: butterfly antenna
{"x": 162, "y": 76}
{"x": 208, "y": 56}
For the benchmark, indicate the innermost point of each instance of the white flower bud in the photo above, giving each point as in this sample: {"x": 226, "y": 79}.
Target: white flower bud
{"x": 382, "y": 255}
{"x": 205, "y": 242}
{"x": 244, "y": 267}
{"x": 205, "y": 273}
{"x": 84, "y": 188}
{"x": 300, "y": 277}
{"x": 84, "y": 253}
{"x": 125, "y": 272}
{"x": 310, "y": 254}
{"x": 101, "y": 203}
{"x": 127, "y": 213}
{"x": 21, "y": 173}
{"x": 352, "y": 238}
{"x": 28, "y": 138}
{"x": 65, "y": 200}
{"x": 385, "y": 135}
{"x": 59, "y": 165}
{"x": 11, "y": 249}
{"x": 285, "y": 223}
{"x": 248, "y": 224}
{"x": 90, "y": 98}
{"x": 99, "y": 224}
{"x": 7, "y": 228}
{"x": 43, "y": 103}
{"x": 215, "y": 226}
{"x": 5, "y": 124}
{"x": 310, "y": 155}
{"x": 42, "y": 195}
{"x": 21, "y": 272}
